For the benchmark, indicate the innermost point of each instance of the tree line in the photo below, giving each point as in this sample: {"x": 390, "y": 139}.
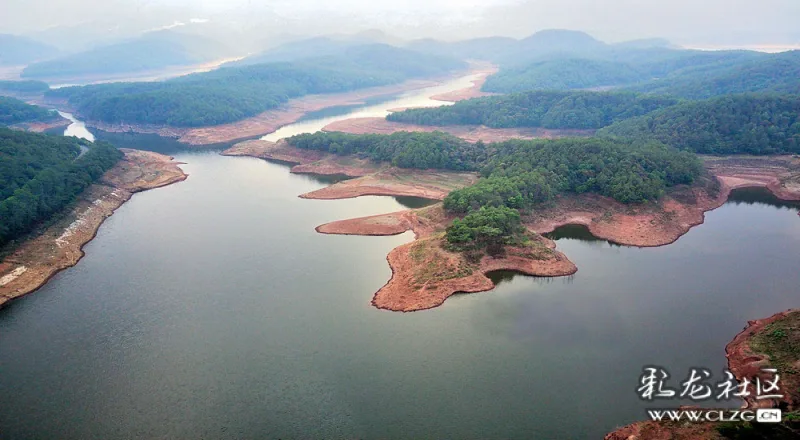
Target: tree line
{"x": 403, "y": 149}
{"x": 736, "y": 124}
{"x": 521, "y": 174}
{"x": 42, "y": 174}
{"x": 546, "y": 109}
{"x": 14, "y": 111}
{"x": 233, "y": 93}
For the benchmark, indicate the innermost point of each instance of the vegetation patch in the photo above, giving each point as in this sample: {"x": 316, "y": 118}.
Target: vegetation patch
{"x": 545, "y": 109}
{"x": 42, "y": 174}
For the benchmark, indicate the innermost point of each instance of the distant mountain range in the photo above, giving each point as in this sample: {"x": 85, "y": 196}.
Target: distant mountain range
{"x": 18, "y": 51}
{"x": 151, "y": 51}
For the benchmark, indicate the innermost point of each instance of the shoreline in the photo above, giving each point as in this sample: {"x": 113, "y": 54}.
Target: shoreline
{"x": 470, "y": 133}
{"x": 743, "y": 362}
{"x": 645, "y": 225}
{"x": 60, "y": 246}
{"x": 267, "y": 121}
{"x": 639, "y": 226}
{"x": 41, "y": 127}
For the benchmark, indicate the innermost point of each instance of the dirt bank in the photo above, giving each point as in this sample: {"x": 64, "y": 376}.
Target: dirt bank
{"x": 779, "y": 174}
{"x": 39, "y": 127}
{"x": 59, "y": 246}
{"x": 474, "y": 91}
{"x": 425, "y": 274}
{"x": 752, "y": 349}
{"x": 470, "y": 133}
{"x": 306, "y": 161}
{"x": 635, "y": 225}
{"x": 746, "y": 356}
{"x": 268, "y": 121}
{"x": 665, "y": 222}
{"x": 428, "y": 184}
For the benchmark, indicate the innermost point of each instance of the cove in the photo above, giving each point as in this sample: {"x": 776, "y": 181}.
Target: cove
{"x": 212, "y": 309}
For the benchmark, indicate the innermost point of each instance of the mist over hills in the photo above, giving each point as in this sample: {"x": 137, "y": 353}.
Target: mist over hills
{"x": 151, "y": 51}
{"x": 17, "y": 50}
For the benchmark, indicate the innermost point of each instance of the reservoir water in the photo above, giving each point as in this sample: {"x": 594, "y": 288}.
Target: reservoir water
{"x": 212, "y": 309}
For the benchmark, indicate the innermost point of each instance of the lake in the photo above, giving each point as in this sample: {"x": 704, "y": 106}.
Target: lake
{"x": 212, "y": 309}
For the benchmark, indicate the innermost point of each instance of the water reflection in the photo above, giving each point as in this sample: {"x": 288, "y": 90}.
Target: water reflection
{"x": 76, "y": 128}
{"x": 377, "y": 107}
{"x": 415, "y": 202}
{"x": 760, "y": 196}
{"x": 340, "y": 110}
{"x": 577, "y": 232}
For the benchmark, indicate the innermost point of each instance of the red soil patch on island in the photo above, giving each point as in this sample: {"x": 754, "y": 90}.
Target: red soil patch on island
{"x": 425, "y": 274}
{"x": 424, "y": 279}
{"x": 427, "y": 184}
{"x": 306, "y": 161}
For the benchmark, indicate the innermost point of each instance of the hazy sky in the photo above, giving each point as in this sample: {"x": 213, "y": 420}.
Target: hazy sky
{"x": 683, "y": 21}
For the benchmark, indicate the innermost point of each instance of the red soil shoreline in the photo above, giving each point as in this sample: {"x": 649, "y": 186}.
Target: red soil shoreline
{"x": 34, "y": 262}
{"x": 647, "y": 225}
{"x": 743, "y": 362}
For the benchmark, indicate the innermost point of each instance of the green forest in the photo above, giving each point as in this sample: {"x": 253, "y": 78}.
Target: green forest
{"x": 766, "y": 73}
{"x": 42, "y": 174}
{"x": 563, "y": 74}
{"x": 234, "y": 93}
{"x": 488, "y": 228}
{"x": 14, "y": 111}
{"x": 520, "y": 173}
{"x": 403, "y": 149}
{"x": 738, "y": 124}
{"x": 680, "y": 73}
{"x": 547, "y": 109}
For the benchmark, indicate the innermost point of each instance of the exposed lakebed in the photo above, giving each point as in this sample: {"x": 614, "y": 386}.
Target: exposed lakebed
{"x": 212, "y": 309}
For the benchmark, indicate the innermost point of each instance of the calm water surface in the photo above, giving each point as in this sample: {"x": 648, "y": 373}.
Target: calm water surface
{"x": 211, "y": 309}
{"x": 376, "y": 107}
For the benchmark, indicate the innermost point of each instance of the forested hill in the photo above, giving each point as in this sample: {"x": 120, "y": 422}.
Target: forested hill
{"x": 519, "y": 173}
{"x": 740, "y": 124}
{"x": 654, "y": 69}
{"x": 151, "y": 51}
{"x": 769, "y": 72}
{"x": 563, "y": 74}
{"x": 547, "y": 109}
{"x": 14, "y": 111}
{"x": 230, "y": 94}
{"x": 41, "y": 174}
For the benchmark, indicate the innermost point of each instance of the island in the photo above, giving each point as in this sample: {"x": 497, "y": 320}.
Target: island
{"x": 635, "y": 211}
